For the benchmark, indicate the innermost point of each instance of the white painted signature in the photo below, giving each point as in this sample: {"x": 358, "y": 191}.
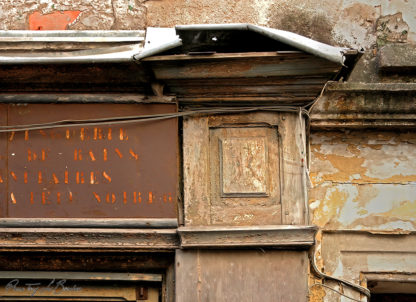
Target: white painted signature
{"x": 55, "y": 287}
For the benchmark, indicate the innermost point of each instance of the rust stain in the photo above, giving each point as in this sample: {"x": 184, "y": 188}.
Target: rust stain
{"x": 66, "y": 177}
{"x": 58, "y": 198}
{"x": 26, "y": 135}
{"x": 124, "y": 197}
{"x": 150, "y": 197}
{"x": 39, "y": 177}
{"x": 31, "y": 198}
{"x": 109, "y": 134}
{"x": 13, "y": 175}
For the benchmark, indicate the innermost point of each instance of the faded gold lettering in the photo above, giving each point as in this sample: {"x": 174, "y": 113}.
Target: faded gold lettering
{"x": 97, "y": 196}
{"x": 55, "y": 179}
{"x": 11, "y": 136}
{"x": 13, "y": 175}
{"x": 92, "y": 156}
{"x": 13, "y": 198}
{"x": 118, "y": 153}
{"x": 134, "y": 155}
{"x": 105, "y": 154}
{"x": 107, "y": 177}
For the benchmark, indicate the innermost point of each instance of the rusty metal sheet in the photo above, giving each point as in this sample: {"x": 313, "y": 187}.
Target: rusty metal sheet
{"x": 117, "y": 171}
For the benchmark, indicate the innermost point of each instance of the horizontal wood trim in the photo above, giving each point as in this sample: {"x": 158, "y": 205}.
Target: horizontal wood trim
{"x": 76, "y": 239}
{"x": 81, "y": 276}
{"x": 245, "y": 55}
{"x": 254, "y": 236}
{"x": 88, "y": 223}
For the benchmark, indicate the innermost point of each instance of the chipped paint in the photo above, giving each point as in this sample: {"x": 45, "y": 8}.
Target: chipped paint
{"x": 363, "y": 181}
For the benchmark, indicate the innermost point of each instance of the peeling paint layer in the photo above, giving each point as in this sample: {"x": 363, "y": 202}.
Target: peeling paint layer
{"x": 364, "y": 181}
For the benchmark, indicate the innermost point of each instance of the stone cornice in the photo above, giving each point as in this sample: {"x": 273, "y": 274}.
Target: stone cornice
{"x": 366, "y": 105}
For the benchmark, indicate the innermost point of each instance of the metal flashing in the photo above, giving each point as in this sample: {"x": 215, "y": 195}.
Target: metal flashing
{"x": 118, "y": 54}
{"x": 128, "y": 46}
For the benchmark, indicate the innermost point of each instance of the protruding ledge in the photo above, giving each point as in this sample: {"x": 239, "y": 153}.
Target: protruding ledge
{"x": 284, "y": 236}
{"x": 366, "y": 105}
{"x": 76, "y": 239}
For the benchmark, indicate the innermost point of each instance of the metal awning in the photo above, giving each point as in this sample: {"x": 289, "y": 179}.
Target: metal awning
{"x": 128, "y": 46}
{"x": 69, "y": 46}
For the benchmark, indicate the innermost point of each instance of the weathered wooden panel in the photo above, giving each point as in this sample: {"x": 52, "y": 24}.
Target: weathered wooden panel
{"x": 75, "y": 77}
{"x": 243, "y": 166}
{"x": 243, "y": 169}
{"x": 120, "y": 170}
{"x": 244, "y": 276}
{"x": 270, "y": 64}
{"x": 75, "y": 239}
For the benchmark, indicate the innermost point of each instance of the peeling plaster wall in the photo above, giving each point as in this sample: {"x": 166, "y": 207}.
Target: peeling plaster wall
{"x": 94, "y": 15}
{"x": 364, "y": 181}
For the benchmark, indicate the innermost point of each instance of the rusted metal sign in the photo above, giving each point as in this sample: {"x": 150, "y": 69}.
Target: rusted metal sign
{"x": 118, "y": 170}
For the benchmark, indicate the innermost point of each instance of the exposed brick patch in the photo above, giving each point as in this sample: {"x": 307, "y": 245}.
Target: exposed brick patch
{"x": 54, "y": 21}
